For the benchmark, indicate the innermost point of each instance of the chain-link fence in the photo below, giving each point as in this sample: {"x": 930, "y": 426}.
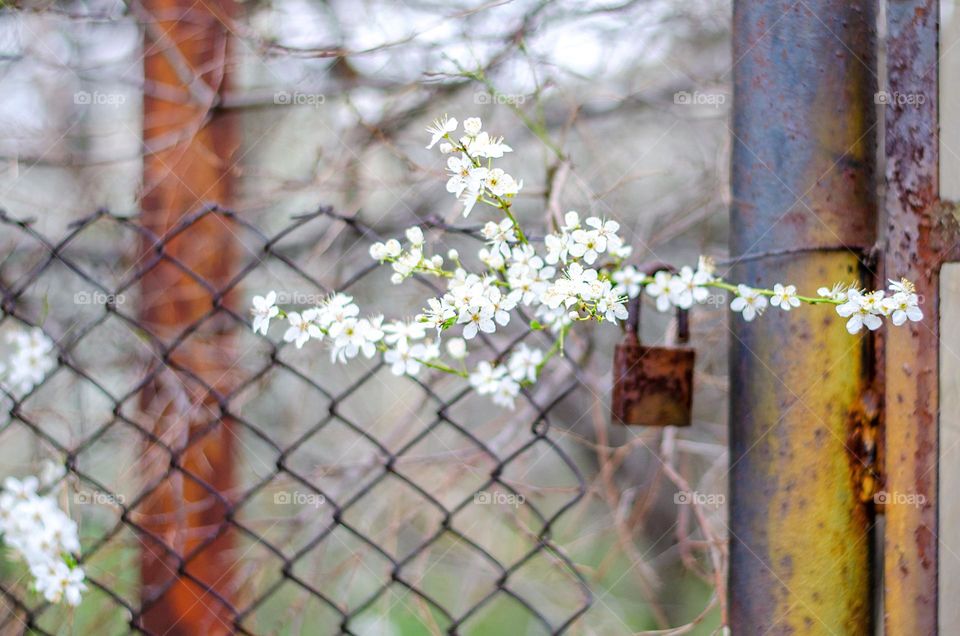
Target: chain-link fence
{"x": 257, "y": 486}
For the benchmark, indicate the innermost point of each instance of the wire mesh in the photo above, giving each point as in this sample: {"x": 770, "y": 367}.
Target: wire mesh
{"x": 109, "y": 357}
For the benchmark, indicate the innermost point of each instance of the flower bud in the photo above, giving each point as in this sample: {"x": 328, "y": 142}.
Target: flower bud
{"x": 393, "y": 248}
{"x": 415, "y": 235}
{"x": 472, "y": 126}
{"x": 378, "y": 251}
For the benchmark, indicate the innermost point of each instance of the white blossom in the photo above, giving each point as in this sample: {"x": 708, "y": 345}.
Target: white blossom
{"x": 33, "y": 340}
{"x": 465, "y": 177}
{"x": 903, "y": 286}
{"x": 336, "y": 308}
{"x": 302, "y": 328}
{"x": 28, "y": 368}
{"x": 415, "y": 236}
{"x": 439, "y": 129}
{"x": 571, "y": 222}
{"x": 484, "y": 146}
{"x": 392, "y": 248}
{"x": 611, "y": 305}
{"x": 587, "y": 245}
{"x": 469, "y": 200}
{"x": 687, "y": 287}
{"x": 492, "y": 258}
{"x": 873, "y": 302}
{"x": 556, "y": 319}
{"x": 378, "y": 252}
{"x": 523, "y": 258}
{"x": 620, "y": 253}
{"x": 352, "y": 337}
{"x": 607, "y": 232}
{"x": 264, "y": 308}
{"x": 837, "y": 292}
{"x": 903, "y": 306}
{"x": 576, "y": 284}
{"x": 404, "y": 359}
{"x": 558, "y": 247}
{"x": 472, "y": 126}
{"x": 32, "y": 359}
{"x": 784, "y": 297}
{"x": 36, "y": 528}
{"x": 525, "y": 363}
{"x": 408, "y": 262}
{"x": 531, "y": 283}
{"x": 503, "y": 304}
{"x": 439, "y": 311}
{"x": 499, "y": 236}
{"x": 501, "y": 184}
{"x": 659, "y": 289}
{"x": 399, "y": 332}
{"x": 486, "y": 377}
{"x": 477, "y": 317}
{"x": 495, "y": 381}
{"x": 749, "y": 302}
{"x": 466, "y": 292}
{"x": 629, "y": 280}
{"x": 861, "y": 310}
{"x": 507, "y": 391}
{"x": 57, "y": 581}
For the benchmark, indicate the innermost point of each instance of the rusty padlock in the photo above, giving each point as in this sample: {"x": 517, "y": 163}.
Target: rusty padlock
{"x": 652, "y": 386}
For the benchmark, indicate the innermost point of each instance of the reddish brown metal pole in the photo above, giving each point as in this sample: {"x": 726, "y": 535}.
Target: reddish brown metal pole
{"x": 187, "y": 573}
{"x": 921, "y": 236}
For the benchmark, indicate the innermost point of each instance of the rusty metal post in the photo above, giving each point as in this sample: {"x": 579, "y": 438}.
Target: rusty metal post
{"x": 804, "y": 210}
{"x": 921, "y": 235}
{"x": 187, "y": 569}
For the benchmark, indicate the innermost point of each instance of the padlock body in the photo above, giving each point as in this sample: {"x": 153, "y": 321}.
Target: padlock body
{"x": 652, "y": 386}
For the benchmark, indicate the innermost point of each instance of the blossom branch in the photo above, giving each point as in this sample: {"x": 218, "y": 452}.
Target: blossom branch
{"x": 577, "y": 275}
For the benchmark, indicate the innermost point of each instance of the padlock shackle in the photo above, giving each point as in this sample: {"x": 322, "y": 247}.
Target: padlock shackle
{"x": 633, "y": 316}
{"x": 634, "y": 304}
{"x": 683, "y": 326}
